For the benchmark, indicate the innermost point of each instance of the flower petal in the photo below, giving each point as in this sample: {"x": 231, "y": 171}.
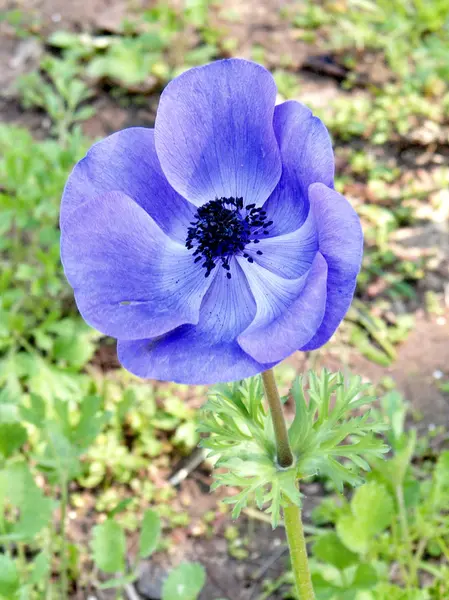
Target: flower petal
{"x": 214, "y": 132}
{"x": 228, "y": 307}
{"x": 127, "y": 162}
{"x": 205, "y": 353}
{"x": 341, "y": 243}
{"x": 289, "y": 255}
{"x": 307, "y": 157}
{"x": 274, "y": 295}
{"x": 296, "y": 326}
{"x": 130, "y": 279}
{"x": 186, "y": 356}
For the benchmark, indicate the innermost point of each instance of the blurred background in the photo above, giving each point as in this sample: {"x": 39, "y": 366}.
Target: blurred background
{"x": 80, "y": 439}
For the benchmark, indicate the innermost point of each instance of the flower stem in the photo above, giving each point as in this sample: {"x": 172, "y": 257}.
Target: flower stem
{"x": 63, "y": 532}
{"x": 283, "y": 451}
{"x": 292, "y": 512}
{"x": 298, "y": 552}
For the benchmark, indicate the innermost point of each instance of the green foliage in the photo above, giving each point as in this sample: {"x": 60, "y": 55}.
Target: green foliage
{"x": 186, "y": 581}
{"x": 324, "y": 429}
{"x": 109, "y": 554}
{"x": 393, "y": 519}
{"x": 241, "y": 437}
{"x": 12, "y": 437}
{"x": 24, "y": 509}
{"x": 325, "y": 439}
{"x": 150, "y": 534}
{"x": 9, "y": 577}
{"x": 371, "y": 512}
{"x": 130, "y": 61}
{"x": 40, "y": 345}
{"x": 55, "y": 418}
{"x": 373, "y": 337}
{"x": 389, "y": 115}
{"x": 60, "y": 432}
{"x": 288, "y": 84}
{"x": 63, "y": 98}
{"x": 393, "y": 54}
{"x": 328, "y": 548}
{"x": 109, "y": 547}
{"x": 413, "y": 35}
{"x": 149, "y": 51}
{"x": 22, "y": 21}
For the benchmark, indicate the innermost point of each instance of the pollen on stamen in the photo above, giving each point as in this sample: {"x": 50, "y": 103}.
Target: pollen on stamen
{"x": 222, "y": 229}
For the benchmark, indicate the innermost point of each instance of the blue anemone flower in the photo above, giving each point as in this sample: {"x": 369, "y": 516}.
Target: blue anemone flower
{"x": 213, "y": 246}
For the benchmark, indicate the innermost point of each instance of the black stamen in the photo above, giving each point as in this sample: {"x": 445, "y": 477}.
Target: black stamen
{"x": 220, "y": 231}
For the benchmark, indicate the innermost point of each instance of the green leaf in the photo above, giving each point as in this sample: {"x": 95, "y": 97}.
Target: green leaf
{"x": 109, "y": 547}
{"x": 186, "y": 435}
{"x": 41, "y": 566}
{"x": 440, "y": 487}
{"x": 9, "y": 577}
{"x": 395, "y": 409}
{"x": 351, "y": 535}
{"x": 329, "y": 549}
{"x": 75, "y": 350}
{"x": 372, "y": 509}
{"x": 21, "y": 492}
{"x": 64, "y": 39}
{"x": 176, "y": 407}
{"x": 92, "y": 420}
{"x": 84, "y": 113}
{"x": 12, "y": 437}
{"x": 301, "y": 423}
{"x": 324, "y": 589}
{"x": 150, "y": 533}
{"x": 35, "y": 413}
{"x": 117, "y": 582}
{"x": 121, "y": 506}
{"x": 61, "y": 458}
{"x": 123, "y": 61}
{"x": 441, "y": 474}
{"x": 323, "y": 432}
{"x": 186, "y": 582}
{"x": 52, "y": 382}
{"x": 403, "y": 458}
{"x": 365, "y": 577}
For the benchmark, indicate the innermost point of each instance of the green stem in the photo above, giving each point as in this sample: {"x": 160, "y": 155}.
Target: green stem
{"x": 64, "y": 549}
{"x": 292, "y": 513}
{"x": 405, "y": 533}
{"x": 22, "y": 562}
{"x": 277, "y": 583}
{"x": 283, "y": 451}
{"x": 298, "y": 552}
{"x": 48, "y": 591}
{"x": 402, "y": 514}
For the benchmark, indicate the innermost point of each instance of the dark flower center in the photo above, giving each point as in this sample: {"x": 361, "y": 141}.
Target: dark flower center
{"x": 224, "y": 227}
